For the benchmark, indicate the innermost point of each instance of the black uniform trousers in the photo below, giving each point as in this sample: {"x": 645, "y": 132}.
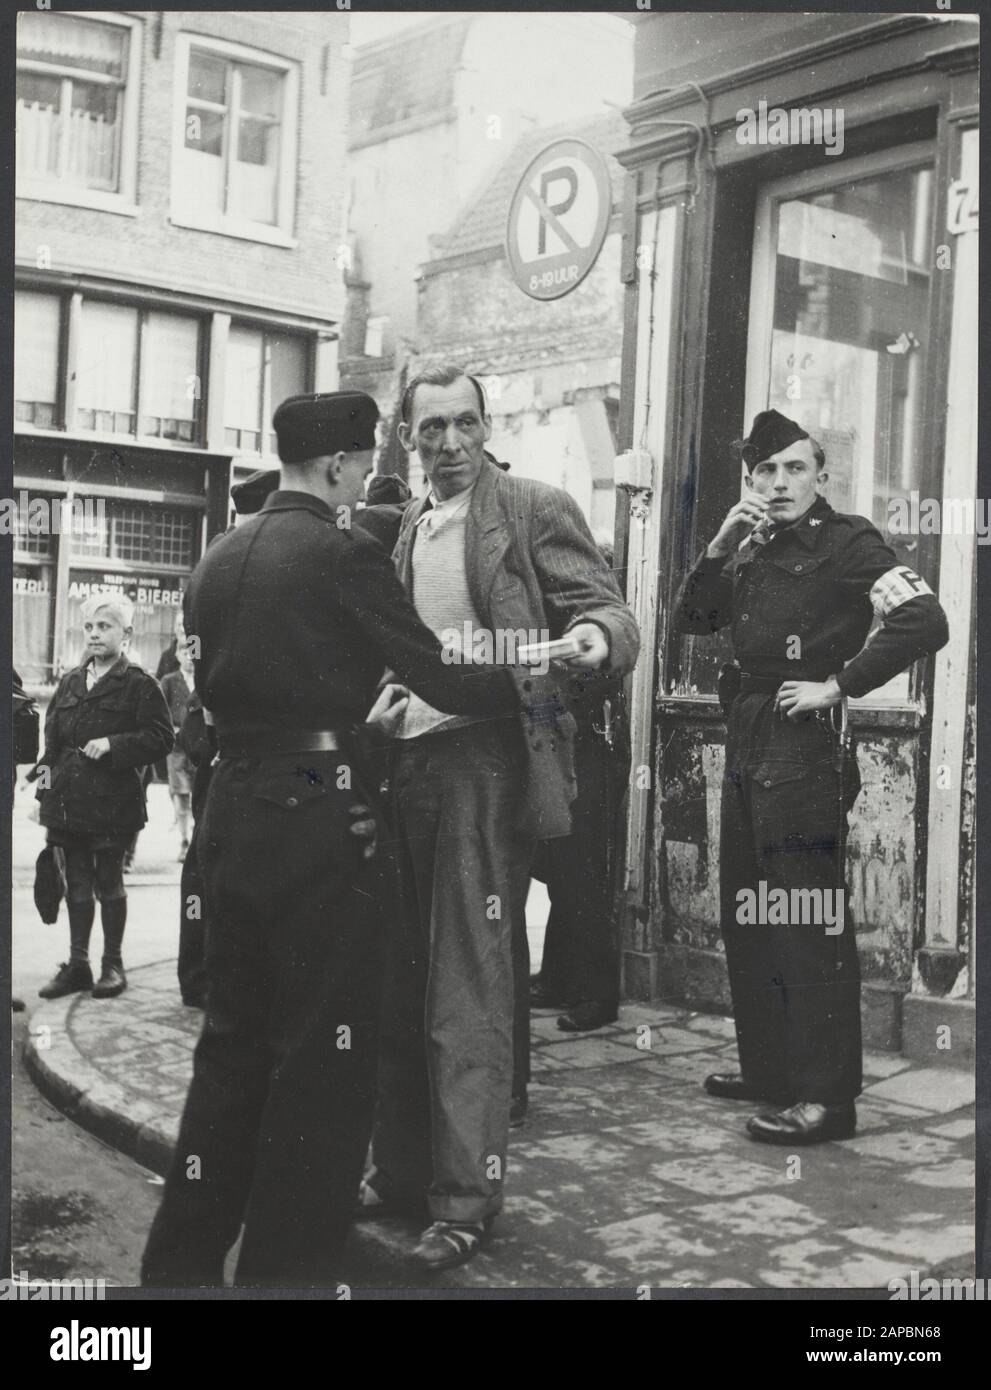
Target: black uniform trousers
{"x": 191, "y": 968}
{"x": 581, "y": 955}
{"x": 279, "y": 1112}
{"x": 796, "y": 990}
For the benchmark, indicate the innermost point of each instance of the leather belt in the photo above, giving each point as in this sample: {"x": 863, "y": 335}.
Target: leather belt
{"x": 286, "y": 741}
{"x": 759, "y": 685}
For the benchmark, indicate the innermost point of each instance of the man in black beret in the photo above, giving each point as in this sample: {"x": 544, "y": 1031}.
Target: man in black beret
{"x": 295, "y": 617}
{"x": 799, "y": 585}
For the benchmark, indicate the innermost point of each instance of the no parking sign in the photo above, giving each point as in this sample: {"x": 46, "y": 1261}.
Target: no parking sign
{"x": 558, "y": 219}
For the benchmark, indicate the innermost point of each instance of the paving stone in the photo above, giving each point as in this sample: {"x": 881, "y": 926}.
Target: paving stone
{"x": 931, "y": 1088}
{"x": 714, "y": 1176}
{"x": 665, "y": 1042}
{"x": 953, "y": 1129}
{"x": 941, "y": 1241}
{"x": 957, "y": 1174}
{"x": 720, "y": 1027}
{"x": 760, "y": 1216}
{"x": 590, "y": 1051}
{"x": 903, "y": 1146}
{"x": 817, "y": 1264}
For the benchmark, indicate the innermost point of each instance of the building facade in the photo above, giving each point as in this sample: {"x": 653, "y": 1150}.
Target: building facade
{"x": 824, "y": 264}
{"x": 435, "y": 111}
{"x": 550, "y": 368}
{"x": 179, "y": 218}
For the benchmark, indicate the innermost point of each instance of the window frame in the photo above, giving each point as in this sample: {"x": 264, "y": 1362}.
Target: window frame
{"x": 897, "y": 158}
{"x": 266, "y": 332}
{"x": 124, "y": 200}
{"x": 143, "y": 311}
{"x": 281, "y": 232}
{"x": 31, "y": 426}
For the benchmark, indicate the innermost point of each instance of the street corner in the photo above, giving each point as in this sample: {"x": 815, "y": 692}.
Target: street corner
{"x": 118, "y": 1068}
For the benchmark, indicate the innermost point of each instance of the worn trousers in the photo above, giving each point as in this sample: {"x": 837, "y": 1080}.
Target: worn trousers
{"x": 795, "y": 988}
{"x": 446, "y": 1065}
{"x": 278, "y": 1117}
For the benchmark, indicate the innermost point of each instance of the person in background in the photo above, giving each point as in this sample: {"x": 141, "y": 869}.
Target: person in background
{"x": 169, "y": 660}
{"x": 107, "y": 720}
{"x": 177, "y": 688}
{"x": 580, "y": 966}
{"x": 386, "y": 498}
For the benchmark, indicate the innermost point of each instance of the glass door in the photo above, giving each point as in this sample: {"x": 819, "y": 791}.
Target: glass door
{"x": 839, "y": 326}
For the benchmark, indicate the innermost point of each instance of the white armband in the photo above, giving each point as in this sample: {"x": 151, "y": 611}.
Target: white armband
{"x": 895, "y": 587}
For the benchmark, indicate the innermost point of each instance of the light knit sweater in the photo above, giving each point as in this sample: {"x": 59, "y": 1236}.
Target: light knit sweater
{"x": 441, "y": 598}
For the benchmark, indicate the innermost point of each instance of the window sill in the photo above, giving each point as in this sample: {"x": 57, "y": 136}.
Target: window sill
{"x": 77, "y": 197}
{"x": 243, "y": 231}
{"x": 906, "y": 716}
{"x": 143, "y": 441}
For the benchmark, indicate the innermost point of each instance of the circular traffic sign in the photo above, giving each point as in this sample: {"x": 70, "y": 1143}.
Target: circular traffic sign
{"x": 558, "y": 219}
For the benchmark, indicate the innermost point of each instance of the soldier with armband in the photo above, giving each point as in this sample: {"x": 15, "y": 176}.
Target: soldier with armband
{"x": 799, "y": 585}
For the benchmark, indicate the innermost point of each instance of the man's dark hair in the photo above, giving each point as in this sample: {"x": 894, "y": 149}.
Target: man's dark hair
{"x": 444, "y": 374}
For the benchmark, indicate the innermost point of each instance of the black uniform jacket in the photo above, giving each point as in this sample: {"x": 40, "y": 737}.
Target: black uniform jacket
{"x": 820, "y": 580}
{"x": 298, "y": 618}
{"x": 103, "y": 795}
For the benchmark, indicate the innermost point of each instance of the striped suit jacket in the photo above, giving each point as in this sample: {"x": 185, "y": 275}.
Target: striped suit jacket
{"x": 532, "y": 563}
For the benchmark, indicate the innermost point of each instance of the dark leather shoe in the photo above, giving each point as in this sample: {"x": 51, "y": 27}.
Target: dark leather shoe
{"x": 518, "y": 1107}
{"x": 112, "y": 982}
{"x": 582, "y": 1018}
{"x": 730, "y": 1085}
{"x": 805, "y": 1123}
{"x": 71, "y": 977}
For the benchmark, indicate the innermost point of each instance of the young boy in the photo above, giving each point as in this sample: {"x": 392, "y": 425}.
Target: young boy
{"x": 108, "y": 719}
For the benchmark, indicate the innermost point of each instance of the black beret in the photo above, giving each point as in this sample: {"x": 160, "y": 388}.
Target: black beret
{"x": 386, "y": 487}
{"x": 250, "y": 495}
{"x": 328, "y": 422}
{"x": 770, "y": 433}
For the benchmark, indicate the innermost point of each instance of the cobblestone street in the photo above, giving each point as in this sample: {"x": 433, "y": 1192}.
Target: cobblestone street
{"x": 625, "y": 1173}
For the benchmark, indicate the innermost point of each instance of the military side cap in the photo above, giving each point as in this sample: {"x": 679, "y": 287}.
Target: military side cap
{"x": 250, "y": 495}
{"x": 770, "y": 433}
{"x": 325, "y": 423}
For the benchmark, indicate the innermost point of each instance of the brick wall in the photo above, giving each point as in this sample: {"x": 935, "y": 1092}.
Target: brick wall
{"x": 148, "y": 249}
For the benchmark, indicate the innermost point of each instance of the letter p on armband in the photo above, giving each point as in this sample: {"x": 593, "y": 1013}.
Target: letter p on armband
{"x": 895, "y": 587}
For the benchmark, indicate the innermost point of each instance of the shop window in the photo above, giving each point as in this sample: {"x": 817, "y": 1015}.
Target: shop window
{"x": 262, "y": 370}
{"x": 138, "y": 373}
{"x": 234, "y": 161}
{"x": 31, "y": 612}
{"x": 839, "y": 329}
{"x": 37, "y": 321}
{"x": 76, "y": 107}
{"x": 140, "y": 534}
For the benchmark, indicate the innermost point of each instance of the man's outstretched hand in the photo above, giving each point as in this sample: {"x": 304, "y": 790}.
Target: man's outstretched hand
{"x": 594, "y": 647}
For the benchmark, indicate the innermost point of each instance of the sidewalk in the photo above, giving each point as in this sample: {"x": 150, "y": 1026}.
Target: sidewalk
{"x": 626, "y": 1173}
